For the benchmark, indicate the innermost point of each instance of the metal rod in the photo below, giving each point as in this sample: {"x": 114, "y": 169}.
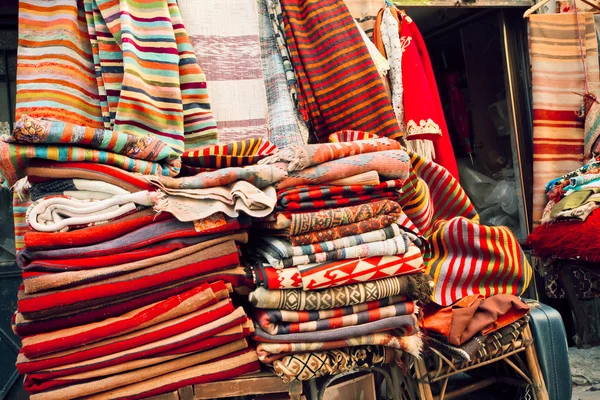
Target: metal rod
{"x": 457, "y": 23}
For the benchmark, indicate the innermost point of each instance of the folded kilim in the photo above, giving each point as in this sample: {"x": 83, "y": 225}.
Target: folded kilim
{"x": 144, "y": 236}
{"x": 337, "y": 321}
{"x": 197, "y": 298}
{"x": 58, "y": 213}
{"x": 39, "y": 282}
{"x": 390, "y": 164}
{"x": 237, "y": 277}
{"x": 81, "y": 189}
{"x": 401, "y": 325}
{"x": 236, "y": 154}
{"x": 275, "y": 249}
{"x": 48, "y": 303}
{"x": 318, "y": 197}
{"x": 338, "y": 81}
{"x": 36, "y": 131}
{"x": 299, "y": 157}
{"x": 269, "y": 352}
{"x": 307, "y": 366}
{"x": 145, "y": 342}
{"x": 284, "y": 123}
{"x": 415, "y": 287}
{"x": 44, "y": 171}
{"x": 81, "y": 264}
{"x": 235, "y": 364}
{"x": 345, "y": 272}
{"x": 310, "y": 222}
{"x": 77, "y": 389}
{"x": 463, "y": 257}
{"x": 260, "y": 176}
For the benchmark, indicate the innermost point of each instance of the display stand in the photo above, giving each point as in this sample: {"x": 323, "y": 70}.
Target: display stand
{"x": 431, "y": 374}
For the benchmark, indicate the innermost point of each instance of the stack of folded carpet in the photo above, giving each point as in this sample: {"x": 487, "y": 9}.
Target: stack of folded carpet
{"x": 337, "y": 265}
{"x": 126, "y": 278}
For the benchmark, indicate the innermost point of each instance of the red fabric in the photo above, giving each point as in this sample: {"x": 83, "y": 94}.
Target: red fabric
{"x": 237, "y": 277}
{"x": 569, "y": 239}
{"x": 421, "y": 97}
{"x": 92, "y": 235}
{"x": 111, "y": 328}
{"x": 86, "y": 354}
{"x": 60, "y": 298}
{"x": 32, "y": 385}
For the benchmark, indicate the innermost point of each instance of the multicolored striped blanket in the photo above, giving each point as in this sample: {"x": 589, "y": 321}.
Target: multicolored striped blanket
{"x": 269, "y": 352}
{"x": 330, "y": 320}
{"x": 463, "y": 257}
{"x": 307, "y": 366}
{"x": 339, "y": 84}
{"x": 414, "y": 287}
{"x": 317, "y": 197}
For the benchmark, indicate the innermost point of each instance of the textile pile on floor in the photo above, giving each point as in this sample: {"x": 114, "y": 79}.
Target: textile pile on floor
{"x": 338, "y": 272}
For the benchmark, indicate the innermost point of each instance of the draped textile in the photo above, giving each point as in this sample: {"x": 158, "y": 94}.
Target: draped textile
{"x": 558, "y": 85}
{"x": 226, "y": 42}
{"x": 463, "y": 257}
{"x": 339, "y": 84}
{"x": 286, "y": 127}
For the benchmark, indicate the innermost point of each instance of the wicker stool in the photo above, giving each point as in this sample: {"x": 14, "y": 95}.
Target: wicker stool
{"x": 435, "y": 369}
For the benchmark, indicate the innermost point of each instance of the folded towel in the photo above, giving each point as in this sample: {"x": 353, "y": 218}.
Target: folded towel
{"x": 81, "y": 189}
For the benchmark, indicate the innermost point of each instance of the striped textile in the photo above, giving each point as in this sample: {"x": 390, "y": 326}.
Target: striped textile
{"x": 226, "y": 42}
{"x": 56, "y": 78}
{"x": 463, "y": 257}
{"x": 173, "y": 307}
{"x": 20, "y": 204}
{"x": 165, "y": 336}
{"x": 285, "y": 125}
{"x": 338, "y": 80}
{"x": 153, "y": 89}
{"x": 236, "y": 154}
{"x": 324, "y": 323}
{"x": 558, "y": 86}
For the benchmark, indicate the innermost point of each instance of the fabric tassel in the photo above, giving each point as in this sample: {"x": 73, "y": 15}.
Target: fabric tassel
{"x": 422, "y": 147}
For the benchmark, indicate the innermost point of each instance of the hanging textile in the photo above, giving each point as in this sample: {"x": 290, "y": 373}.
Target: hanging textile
{"x": 558, "y": 84}
{"x": 226, "y": 41}
{"x": 416, "y": 98}
{"x": 339, "y": 83}
{"x": 285, "y": 126}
